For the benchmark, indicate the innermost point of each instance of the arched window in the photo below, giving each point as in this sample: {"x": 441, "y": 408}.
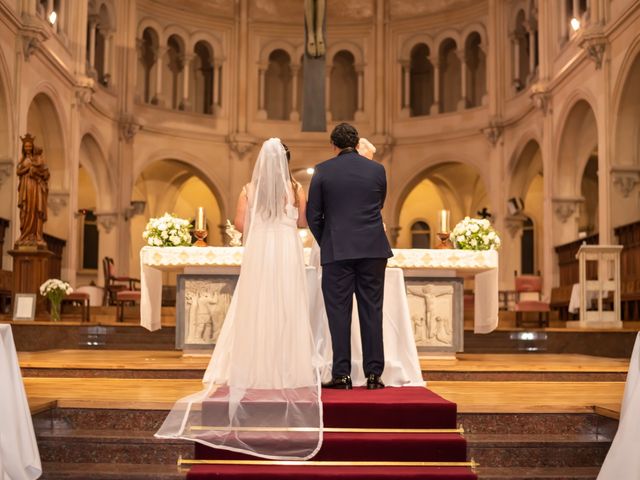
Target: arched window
{"x": 203, "y": 78}
{"x": 175, "y": 65}
{"x": 476, "y": 65}
{"x": 147, "y": 53}
{"x": 589, "y": 190}
{"x": 278, "y": 96}
{"x": 100, "y": 34}
{"x": 450, "y": 76}
{"x": 344, "y": 87}
{"x": 420, "y": 235}
{"x": 421, "y": 81}
{"x": 521, "y": 58}
{"x": 527, "y": 248}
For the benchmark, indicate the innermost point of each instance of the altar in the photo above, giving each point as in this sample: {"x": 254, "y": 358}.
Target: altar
{"x": 428, "y": 302}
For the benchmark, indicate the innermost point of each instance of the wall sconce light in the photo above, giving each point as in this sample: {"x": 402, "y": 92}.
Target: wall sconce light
{"x": 575, "y": 24}
{"x": 135, "y": 208}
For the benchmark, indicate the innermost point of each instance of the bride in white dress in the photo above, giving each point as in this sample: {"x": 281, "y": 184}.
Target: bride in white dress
{"x": 262, "y": 387}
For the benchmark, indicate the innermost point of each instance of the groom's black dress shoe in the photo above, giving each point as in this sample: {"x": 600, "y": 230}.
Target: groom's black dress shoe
{"x": 342, "y": 382}
{"x": 374, "y": 382}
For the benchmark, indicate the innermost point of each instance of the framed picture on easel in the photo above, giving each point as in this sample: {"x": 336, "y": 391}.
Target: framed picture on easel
{"x": 202, "y": 302}
{"x": 24, "y": 308}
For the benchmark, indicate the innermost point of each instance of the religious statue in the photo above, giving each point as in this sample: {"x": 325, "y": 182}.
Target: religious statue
{"x": 33, "y": 190}
{"x": 235, "y": 237}
{"x": 314, "y": 20}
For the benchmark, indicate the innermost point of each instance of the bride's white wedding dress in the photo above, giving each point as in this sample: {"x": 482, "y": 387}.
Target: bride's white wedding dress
{"x": 262, "y": 387}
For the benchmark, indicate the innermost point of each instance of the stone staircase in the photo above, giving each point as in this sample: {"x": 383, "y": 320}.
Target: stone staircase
{"x": 113, "y": 444}
{"x": 538, "y": 446}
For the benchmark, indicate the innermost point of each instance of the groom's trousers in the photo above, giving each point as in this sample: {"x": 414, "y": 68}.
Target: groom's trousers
{"x": 340, "y": 280}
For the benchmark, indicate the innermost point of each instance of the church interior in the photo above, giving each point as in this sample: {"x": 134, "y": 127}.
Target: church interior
{"x": 525, "y": 113}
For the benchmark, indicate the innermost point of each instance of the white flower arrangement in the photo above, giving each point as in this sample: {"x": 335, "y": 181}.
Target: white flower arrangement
{"x": 55, "y": 288}
{"x": 475, "y": 234}
{"x": 167, "y": 231}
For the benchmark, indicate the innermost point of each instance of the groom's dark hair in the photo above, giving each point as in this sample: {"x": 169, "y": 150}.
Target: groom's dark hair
{"x": 344, "y": 136}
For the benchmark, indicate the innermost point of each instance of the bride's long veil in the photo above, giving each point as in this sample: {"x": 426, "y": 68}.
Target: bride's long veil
{"x": 262, "y": 387}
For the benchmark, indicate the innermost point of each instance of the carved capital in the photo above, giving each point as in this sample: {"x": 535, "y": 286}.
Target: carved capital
{"x": 541, "y": 98}
{"x": 241, "y": 144}
{"x": 129, "y": 127}
{"x": 493, "y": 132}
{"x": 625, "y": 179}
{"x": 384, "y": 146}
{"x": 566, "y": 207}
{"x": 6, "y": 169}
{"x": 32, "y": 35}
{"x": 106, "y": 220}
{"x": 57, "y": 200}
{"x": 514, "y": 224}
{"x": 595, "y": 43}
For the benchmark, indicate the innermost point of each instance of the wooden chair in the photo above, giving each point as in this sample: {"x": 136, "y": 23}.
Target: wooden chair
{"x": 528, "y": 290}
{"x": 126, "y": 297}
{"x": 78, "y": 298}
{"x": 114, "y": 283}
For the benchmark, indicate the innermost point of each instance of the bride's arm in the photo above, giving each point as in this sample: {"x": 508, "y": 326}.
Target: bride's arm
{"x": 302, "y": 208}
{"x": 241, "y": 211}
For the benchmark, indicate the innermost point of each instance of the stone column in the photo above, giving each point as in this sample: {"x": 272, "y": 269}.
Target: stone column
{"x": 185, "y": 103}
{"x": 515, "y": 44}
{"x": 108, "y": 57}
{"x": 49, "y": 9}
{"x": 327, "y": 92}
{"x": 435, "y": 108}
{"x": 531, "y": 31}
{"x": 93, "y": 25}
{"x": 360, "y": 105}
{"x": 576, "y": 9}
{"x": 294, "y": 116}
{"x": 462, "y": 103}
{"x": 157, "y": 97}
{"x": 564, "y": 23}
{"x": 262, "y": 72}
{"x": 62, "y": 17}
{"x": 217, "y": 71}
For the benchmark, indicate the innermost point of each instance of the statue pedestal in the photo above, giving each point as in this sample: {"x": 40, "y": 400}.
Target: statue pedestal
{"x": 30, "y": 270}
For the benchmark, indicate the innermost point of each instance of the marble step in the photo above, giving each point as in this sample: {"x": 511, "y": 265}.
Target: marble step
{"x": 560, "y": 450}
{"x": 544, "y": 473}
{"x": 110, "y": 471}
{"x": 110, "y": 446}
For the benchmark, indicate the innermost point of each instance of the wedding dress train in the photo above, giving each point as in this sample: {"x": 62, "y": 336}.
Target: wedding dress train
{"x": 262, "y": 386}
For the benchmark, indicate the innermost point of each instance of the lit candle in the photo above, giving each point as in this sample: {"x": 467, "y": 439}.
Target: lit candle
{"x": 200, "y": 219}
{"x": 444, "y": 221}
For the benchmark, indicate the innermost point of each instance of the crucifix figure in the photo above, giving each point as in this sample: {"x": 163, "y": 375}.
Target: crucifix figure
{"x": 313, "y": 92}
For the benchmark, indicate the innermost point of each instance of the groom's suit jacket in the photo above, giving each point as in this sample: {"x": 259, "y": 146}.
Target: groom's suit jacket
{"x": 346, "y": 197}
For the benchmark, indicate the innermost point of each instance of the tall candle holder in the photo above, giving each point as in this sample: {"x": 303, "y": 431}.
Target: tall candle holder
{"x": 200, "y": 236}
{"x": 445, "y": 241}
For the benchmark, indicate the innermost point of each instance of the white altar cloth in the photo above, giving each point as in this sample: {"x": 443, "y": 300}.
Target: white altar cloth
{"x": 19, "y": 456}
{"x": 402, "y": 366}
{"x": 622, "y": 461}
{"x": 482, "y": 265}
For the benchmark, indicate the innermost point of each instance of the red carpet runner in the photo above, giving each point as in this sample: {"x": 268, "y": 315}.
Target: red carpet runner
{"x": 398, "y": 408}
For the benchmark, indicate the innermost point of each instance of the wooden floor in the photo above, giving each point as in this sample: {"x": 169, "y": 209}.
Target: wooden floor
{"x": 471, "y": 396}
{"x": 465, "y": 362}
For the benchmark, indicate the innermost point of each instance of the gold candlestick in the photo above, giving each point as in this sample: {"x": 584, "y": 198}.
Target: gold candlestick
{"x": 200, "y": 235}
{"x": 445, "y": 241}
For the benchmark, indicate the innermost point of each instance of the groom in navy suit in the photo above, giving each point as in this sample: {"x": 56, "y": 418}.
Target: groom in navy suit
{"x": 346, "y": 197}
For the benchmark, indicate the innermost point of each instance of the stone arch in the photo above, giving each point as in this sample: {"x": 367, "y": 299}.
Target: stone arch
{"x": 411, "y": 42}
{"x": 344, "y": 86}
{"x": 274, "y": 45}
{"x": 148, "y": 47}
{"x": 448, "y": 34}
{"x": 577, "y": 141}
{"x": 476, "y": 65}
{"x": 351, "y": 47}
{"x": 278, "y": 86}
{"x": 45, "y": 120}
{"x": 421, "y": 80}
{"x": 441, "y": 182}
{"x": 95, "y": 161}
{"x": 173, "y": 66}
{"x": 202, "y": 77}
{"x": 148, "y": 22}
{"x": 626, "y": 125}
{"x": 208, "y": 37}
{"x": 478, "y": 28}
{"x": 450, "y": 72}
